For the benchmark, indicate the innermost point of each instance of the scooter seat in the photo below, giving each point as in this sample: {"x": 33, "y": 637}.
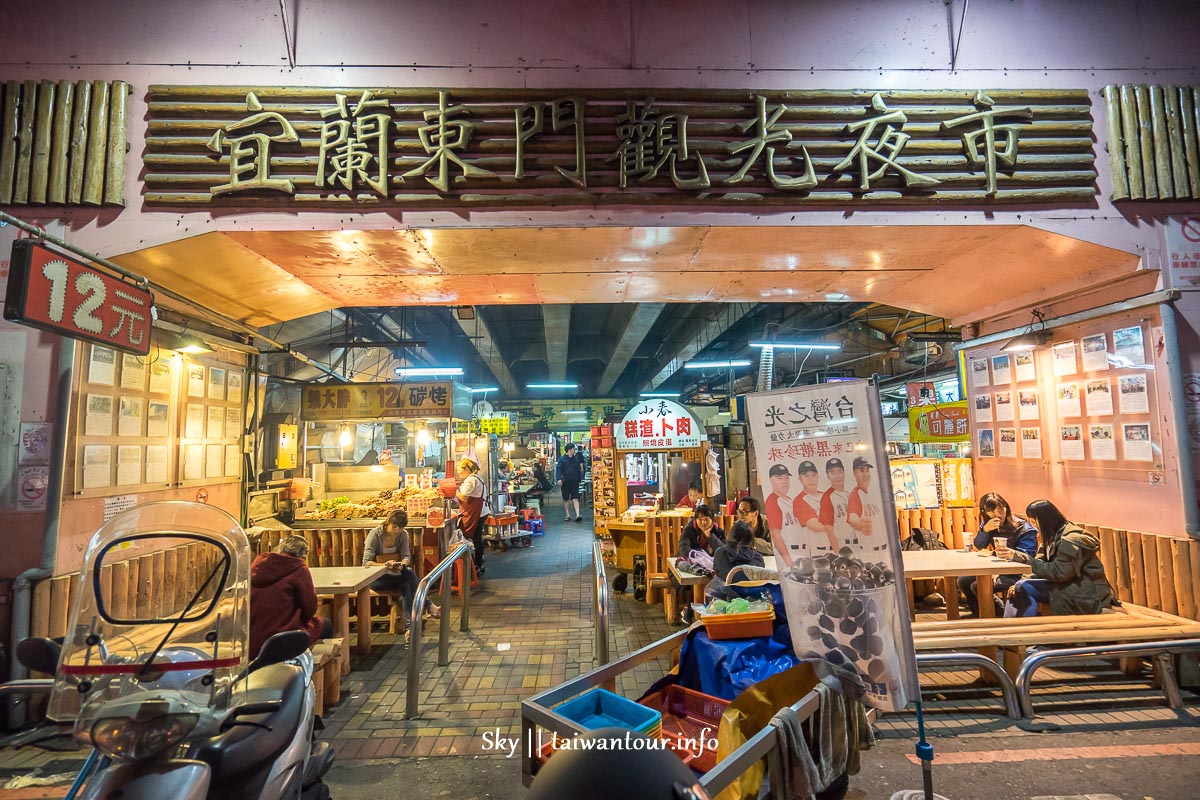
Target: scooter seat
{"x": 244, "y": 749}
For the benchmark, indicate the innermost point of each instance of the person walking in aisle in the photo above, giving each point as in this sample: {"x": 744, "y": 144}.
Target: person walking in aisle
{"x": 570, "y": 475}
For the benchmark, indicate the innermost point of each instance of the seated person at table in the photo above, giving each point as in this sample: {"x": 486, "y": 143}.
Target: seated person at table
{"x": 737, "y": 551}
{"x": 1067, "y": 572}
{"x": 996, "y": 519}
{"x": 700, "y": 534}
{"x": 388, "y": 544}
{"x": 282, "y": 597}
{"x": 749, "y": 511}
{"x": 693, "y": 498}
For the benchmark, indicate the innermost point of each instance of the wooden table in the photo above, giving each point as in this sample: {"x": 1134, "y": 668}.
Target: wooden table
{"x": 341, "y": 582}
{"x": 948, "y": 565}
{"x": 697, "y": 582}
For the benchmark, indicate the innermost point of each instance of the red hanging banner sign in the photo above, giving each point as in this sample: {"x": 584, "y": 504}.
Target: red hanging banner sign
{"x": 51, "y": 291}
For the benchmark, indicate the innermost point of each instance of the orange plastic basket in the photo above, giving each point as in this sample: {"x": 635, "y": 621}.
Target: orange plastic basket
{"x": 739, "y": 626}
{"x": 689, "y": 720}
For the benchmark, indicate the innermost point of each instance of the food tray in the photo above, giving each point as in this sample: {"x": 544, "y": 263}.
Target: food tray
{"x": 601, "y": 708}
{"x": 739, "y": 626}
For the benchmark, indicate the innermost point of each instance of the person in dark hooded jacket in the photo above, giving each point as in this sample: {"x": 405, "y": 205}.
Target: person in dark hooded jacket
{"x": 282, "y": 596}
{"x": 1067, "y": 572}
{"x": 738, "y": 550}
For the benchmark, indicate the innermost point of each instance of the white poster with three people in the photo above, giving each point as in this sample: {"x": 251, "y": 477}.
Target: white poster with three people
{"x": 823, "y": 465}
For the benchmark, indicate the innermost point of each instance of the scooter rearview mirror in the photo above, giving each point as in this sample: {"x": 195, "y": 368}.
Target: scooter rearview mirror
{"x": 280, "y": 647}
{"x": 39, "y": 654}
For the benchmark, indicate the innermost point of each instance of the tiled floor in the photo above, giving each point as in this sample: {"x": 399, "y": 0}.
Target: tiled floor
{"x": 531, "y": 628}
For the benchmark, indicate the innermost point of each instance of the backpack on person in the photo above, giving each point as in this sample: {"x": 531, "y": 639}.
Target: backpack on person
{"x": 923, "y": 539}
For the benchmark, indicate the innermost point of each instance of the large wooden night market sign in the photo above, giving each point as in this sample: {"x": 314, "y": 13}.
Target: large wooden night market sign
{"x": 295, "y": 147}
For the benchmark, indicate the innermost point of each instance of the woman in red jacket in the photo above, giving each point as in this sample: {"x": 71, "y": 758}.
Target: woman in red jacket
{"x": 282, "y": 597}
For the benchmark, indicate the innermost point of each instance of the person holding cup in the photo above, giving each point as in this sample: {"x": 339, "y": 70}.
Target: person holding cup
{"x": 1003, "y": 532}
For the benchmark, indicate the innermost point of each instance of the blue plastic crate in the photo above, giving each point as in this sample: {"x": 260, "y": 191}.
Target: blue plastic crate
{"x": 600, "y": 708}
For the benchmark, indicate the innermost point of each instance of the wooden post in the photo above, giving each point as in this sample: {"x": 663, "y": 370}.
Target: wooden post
{"x": 147, "y": 577}
{"x": 1108, "y": 556}
{"x": 1162, "y": 145}
{"x": 8, "y": 141}
{"x": 1137, "y": 574}
{"x": 79, "y": 139}
{"x": 131, "y": 587}
{"x": 1166, "y": 574}
{"x": 971, "y": 523}
{"x": 902, "y": 522}
{"x": 949, "y": 535}
{"x": 1185, "y": 586}
{"x": 1145, "y": 129}
{"x": 39, "y": 166}
{"x": 60, "y": 607}
{"x": 935, "y": 523}
{"x": 120, "y": 592}
{"x": 1150, "y": 564}
{"x": 1133, "y": 153}
{"x": 97, "y": 145}
{"x": 1191, "y": 147}
{"x": 60, "y": 144}
{"x": 1116, "y": 147}
{"x": 1193, "y": 546}
{"x": 1179, "y": 179}
{"x": 25, "y": 143}
{"x": 106, "y": 586}
{"x": 114, "y": 173}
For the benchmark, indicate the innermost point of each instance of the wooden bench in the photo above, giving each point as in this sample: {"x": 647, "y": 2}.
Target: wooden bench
{"x": 1126, "y": 624}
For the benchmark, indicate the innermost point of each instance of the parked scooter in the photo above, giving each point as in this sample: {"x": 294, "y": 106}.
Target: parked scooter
{"x": 169, "y": 703}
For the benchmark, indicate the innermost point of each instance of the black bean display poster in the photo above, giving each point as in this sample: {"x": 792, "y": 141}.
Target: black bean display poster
{"x": 822, "y": 461}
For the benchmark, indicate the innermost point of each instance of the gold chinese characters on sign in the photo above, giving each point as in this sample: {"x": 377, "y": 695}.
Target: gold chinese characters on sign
{"x": 376, "y": 401}
{"x": 311, "y": 146}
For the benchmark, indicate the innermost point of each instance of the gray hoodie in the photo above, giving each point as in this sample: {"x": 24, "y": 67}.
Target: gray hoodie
{"x": 1071, "y": 563}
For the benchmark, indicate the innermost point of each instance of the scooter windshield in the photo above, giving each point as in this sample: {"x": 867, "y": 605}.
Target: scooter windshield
{"x": 159, "y": 623}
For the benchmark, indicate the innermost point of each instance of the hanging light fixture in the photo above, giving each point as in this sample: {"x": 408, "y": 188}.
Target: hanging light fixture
{"x": 1034, "y": 336}
{"x": 423, "y": 436}
{"x": 344, "y": 438}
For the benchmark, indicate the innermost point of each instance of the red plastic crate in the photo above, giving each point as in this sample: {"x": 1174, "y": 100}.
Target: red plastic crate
{"x": 686, "y": 715}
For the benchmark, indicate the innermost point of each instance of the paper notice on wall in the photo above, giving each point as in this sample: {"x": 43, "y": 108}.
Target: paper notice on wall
{"x": 157, "y": 416}
{"x": 233, "y": 461}
{"x": 216, "y": 383}
{"x": 1138, "y": 446}
{"x": 1099, "y": 398}
{"x": 1128, "y": 349}
{"x": 1134, "y": 398}
{"x": 1008, "y": 442}
{"x": 983, "y": 408}
{"x": 129, "y": 465}
{"x": 979, "y": 373}
{"x": 32, "y": 485}
{"x": 193, "y": 462}
{"x": 195, "y": 380}
{"x": 1070, "y": 439}
{"x": 102, "y": 365}
{"x": 129, "y": 421}
{"x": 1002, "y": 369}
{"x": 193, "y": 427}
{"x": 987, "y": 443}
{"x": 233, "y": 387}
{"x": 160, "y": 376}
{"x": 1068, "y": 400}
{"x": 115, "y": 505}
{"x": 216, "y": 423}
{"x": 133, "y": 372}
{"x": 1025, "y": 369}
{"x": 1191, "y": 399}
{"x": 97, "y": 466}
{"x": 1095, "y": 353}
{"x": 233, "y": 422}
{"x": 1027, "y": 402}
{"x": 97, "y": 420}
{"x": 35, "y": 444}
{"x": 1064, "y": 359}
{"x": 156, "y": 463}
{"x": 214, "y": 461}
{"x": 1004, "y": 407}
{"x": 1031, "y": 443}
{"x": 1183, "y": 251}
{"x": 1104, "y": 446}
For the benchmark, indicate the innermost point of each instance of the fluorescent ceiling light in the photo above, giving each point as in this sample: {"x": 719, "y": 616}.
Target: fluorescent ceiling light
{"x": 409, "y": 372}
{"x": 573, "y": 412}
{"x": 552, "y": 386}
{"x": 798, "y": 345}
{"x": 485, "y": 389}
{"x": 715, "y": 364}
{"x": 659, "y": 394}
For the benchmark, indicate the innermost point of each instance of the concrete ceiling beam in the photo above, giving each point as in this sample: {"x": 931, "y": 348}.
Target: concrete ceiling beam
{"x": 557, "y": 322}
{"x": 639, "y": 324}
{"x": 481, "y": 337}
{"x": 707, "y": 332}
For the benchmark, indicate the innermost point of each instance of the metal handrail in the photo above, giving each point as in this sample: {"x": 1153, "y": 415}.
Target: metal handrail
{"x": 537, "y": 711}
{"x": 600, "y": 595}
{"x": 416, "y": 626}
{"x": 980, "y": 661}
{"x": 1160, "y": 650}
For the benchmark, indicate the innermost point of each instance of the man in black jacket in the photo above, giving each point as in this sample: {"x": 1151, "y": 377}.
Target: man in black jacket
{"x": 570, "y": 475}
